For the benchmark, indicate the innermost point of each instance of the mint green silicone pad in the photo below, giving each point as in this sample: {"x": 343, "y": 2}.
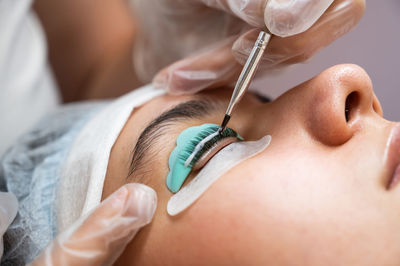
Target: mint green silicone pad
{"x": 178, "y": 172}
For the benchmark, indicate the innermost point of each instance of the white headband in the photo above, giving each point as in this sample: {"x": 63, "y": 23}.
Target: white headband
{"x": 82, "y": 176}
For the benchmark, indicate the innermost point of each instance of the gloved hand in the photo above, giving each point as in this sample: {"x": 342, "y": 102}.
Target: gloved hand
{"x": 170, "y": 30}
{"x": 8, "y": 211}
{"x": 101, "y": 237}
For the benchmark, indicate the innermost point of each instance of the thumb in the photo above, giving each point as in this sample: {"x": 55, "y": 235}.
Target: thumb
{"x": 101, "y": 237}
{"x": 211, "y": 68}
{"x": 291, "y": 17}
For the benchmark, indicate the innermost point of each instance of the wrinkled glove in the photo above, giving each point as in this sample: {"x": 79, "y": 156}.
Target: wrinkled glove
{"x": 101, "y": 237}
{"x": 216, "y": 36}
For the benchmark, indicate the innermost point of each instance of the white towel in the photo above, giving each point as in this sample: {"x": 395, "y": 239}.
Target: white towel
{"x": 83, "y": 174}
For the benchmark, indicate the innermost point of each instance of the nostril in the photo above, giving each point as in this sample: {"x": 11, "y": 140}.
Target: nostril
{"x": 352, "y": 101}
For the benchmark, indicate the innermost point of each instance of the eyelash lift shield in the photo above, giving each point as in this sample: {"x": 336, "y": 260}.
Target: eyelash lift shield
{"x": 221, "y": 163}
{"x": 191, "y": 145}
{"x": 247, "y": 75}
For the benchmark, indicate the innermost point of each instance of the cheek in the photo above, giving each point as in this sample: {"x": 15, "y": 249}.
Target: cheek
{"x": 291, "y": 209}
{"x": 279, "y": 208}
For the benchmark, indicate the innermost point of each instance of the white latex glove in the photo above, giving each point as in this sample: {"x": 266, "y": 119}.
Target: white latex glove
{"x": 170, "y": 30}
{"x": 8, "y": 211}
{"x": 101, "y": 237}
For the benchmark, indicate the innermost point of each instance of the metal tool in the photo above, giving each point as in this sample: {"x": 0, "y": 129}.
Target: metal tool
{"x": 246, "y": 76}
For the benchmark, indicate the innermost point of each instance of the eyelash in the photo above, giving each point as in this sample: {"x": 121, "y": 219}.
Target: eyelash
{"x": 219, "y": 141}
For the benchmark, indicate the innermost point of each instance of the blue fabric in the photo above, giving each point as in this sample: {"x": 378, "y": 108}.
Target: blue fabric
{"x": 31, "y": 171}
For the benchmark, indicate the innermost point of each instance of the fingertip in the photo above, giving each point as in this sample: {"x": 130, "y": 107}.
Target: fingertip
{"x": 141, "y": 203}
{"x": 251, "y": 11}
{"x": 160, "y": 81}
{"x": 8, "y": 210}
{"x": 140, "y": 190}
{"x": 184, "y": 82}
{"x": 295, "y": 17}
{"x": 359, "y": 8}
{"x": 282, "y": 23}
{"x": 178, "y": 80}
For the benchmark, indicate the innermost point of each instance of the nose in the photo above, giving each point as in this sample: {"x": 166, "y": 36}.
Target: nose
{"x": 338, "y": 100}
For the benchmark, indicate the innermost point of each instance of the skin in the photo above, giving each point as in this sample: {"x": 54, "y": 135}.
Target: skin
{"x": 90, "y": 46}
{"x": 316, "y": 196}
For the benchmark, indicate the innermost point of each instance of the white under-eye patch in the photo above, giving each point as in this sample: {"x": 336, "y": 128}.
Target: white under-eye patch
{"x": 221, "y": 163}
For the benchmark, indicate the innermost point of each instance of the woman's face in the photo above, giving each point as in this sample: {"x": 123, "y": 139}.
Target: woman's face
{"x": 318, "y": 195}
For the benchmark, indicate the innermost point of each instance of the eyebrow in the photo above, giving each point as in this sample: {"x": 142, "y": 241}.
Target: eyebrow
{"x": 193, "y": 109}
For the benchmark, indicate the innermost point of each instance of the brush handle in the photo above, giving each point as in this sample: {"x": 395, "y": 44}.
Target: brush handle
{"x": 249, "y": 70}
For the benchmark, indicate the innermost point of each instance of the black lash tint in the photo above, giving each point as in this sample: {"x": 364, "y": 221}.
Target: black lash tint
{"x": 215, "y": 138}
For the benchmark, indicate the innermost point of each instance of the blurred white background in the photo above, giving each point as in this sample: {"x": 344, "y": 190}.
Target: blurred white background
{"x": 374, "y": 45}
